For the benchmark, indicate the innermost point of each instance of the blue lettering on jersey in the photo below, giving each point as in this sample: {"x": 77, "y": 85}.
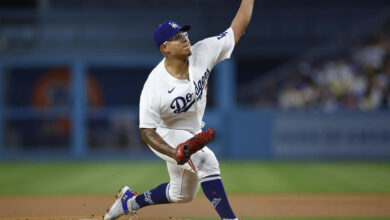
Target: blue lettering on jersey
{"x": 183, "y": 104}
{"x": 199, "y": 87}
{"x": 222, "y": 35}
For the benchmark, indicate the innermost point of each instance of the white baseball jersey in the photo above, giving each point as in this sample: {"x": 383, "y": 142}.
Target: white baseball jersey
{"x": 170, "y": 103}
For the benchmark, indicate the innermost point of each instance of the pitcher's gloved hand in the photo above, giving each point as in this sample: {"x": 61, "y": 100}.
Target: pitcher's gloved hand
{"x": 192, "y": 145}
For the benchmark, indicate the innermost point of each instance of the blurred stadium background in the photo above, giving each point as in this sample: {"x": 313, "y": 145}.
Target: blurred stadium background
{"x": 305, "y": 97}
{"x": 309, "y": 80}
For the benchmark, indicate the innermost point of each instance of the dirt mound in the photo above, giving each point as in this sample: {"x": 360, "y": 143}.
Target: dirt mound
{"x": 86, "y": 218}
{"x": 90, "y": 207}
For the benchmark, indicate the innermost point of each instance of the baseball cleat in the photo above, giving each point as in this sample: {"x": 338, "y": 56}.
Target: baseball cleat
{"x": 122, "y": 204}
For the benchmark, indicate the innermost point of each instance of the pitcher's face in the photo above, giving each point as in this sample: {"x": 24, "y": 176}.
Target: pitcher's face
{"x": 178, "y": 46}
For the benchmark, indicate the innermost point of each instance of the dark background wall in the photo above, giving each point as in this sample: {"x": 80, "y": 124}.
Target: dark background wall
{"x": 296, "y": 56}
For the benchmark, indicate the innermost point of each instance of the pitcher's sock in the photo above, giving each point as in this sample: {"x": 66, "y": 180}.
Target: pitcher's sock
{"x": 213, "y": 189}
{"x": 158, "y": 195}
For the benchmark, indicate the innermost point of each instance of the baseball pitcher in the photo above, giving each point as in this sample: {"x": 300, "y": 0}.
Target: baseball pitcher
{"x": 172, "y": 104}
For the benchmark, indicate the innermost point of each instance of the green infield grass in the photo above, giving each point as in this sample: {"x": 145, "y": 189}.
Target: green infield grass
{"x": 104, "y": 177}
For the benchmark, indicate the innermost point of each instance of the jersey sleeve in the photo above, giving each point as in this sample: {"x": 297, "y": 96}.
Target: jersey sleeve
{"x": 220, "y": 47}
{"x": 149, "y": 113}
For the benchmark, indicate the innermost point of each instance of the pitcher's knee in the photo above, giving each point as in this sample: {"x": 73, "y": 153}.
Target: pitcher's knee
{"x": 209, "y": 164}
{"x": 181, "y": 198}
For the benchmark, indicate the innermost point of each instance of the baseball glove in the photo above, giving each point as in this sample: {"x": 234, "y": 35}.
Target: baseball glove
{"x": 192, "y": 145}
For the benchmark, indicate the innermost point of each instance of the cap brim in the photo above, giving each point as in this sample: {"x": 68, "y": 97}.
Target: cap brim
{"x": 185, "y": 28}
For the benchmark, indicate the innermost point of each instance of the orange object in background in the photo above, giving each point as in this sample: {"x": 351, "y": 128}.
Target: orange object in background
{"x": 52, "y": 89}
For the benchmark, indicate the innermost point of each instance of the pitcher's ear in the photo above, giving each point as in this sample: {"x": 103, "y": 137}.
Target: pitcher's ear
{"x": 163, "y": 48}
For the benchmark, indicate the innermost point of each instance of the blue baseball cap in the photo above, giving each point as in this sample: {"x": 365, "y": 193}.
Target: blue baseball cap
{"x": 167, "y": 30}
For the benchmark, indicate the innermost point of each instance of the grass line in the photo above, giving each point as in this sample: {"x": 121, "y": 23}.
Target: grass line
{"x": 45, "y": 178}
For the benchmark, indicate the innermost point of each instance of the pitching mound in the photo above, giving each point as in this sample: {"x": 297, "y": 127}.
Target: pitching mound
{"x": 86, "y": 218}
{"x": 93, "y": 207}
